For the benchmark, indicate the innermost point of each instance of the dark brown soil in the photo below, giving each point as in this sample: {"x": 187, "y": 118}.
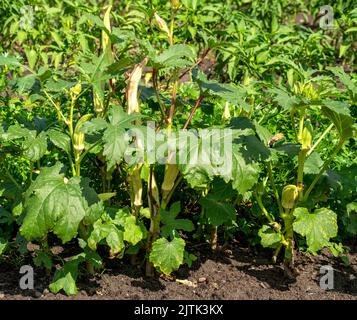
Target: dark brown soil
{"x": 237, "y": 274}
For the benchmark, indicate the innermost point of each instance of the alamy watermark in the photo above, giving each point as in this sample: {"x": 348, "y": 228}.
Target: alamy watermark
{"x": 213, "y": 147}
{"x": 327, "y": 278}
{"x": 326, "y": 20}
{"x": 27, "y": 280}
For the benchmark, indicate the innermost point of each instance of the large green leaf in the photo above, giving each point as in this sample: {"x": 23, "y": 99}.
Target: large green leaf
{"x": 65, "y": 278}
{"x": 59, "y": 85}
{"x": 217, "y": 212}
{"x": 93, "y": 213}
{"x": 109, "y": 232}
{"x": 339, "y": 113}
{"x": 60, "y": 140}
{"x": 231, "y": 155}
{"x": 284, "y": 99}
{"x": 43, "y": 258}
{"x": 233, "y": 94}
{"x": 313, "y": 164}
{"x": 99, "y": 232}
{"x": 167, "y": 256}
{"x": 269, "y": 237}
{"x": 133, "y": 232}
{"x": 220, "y": 190}
{"x": 33, "y": 145}
{"x": 115, "y": 144}
{"x": 191, "y": 160}
{"x": 318, "y": 227}
{"x": 16, "y": 132}
{"x": 263, "y": 133}
{"x": 171, "y": 224}
{"x": 177, "y": 56}
{"x": 343, "y": 122}
{"x": 337, "y": 106}
{"x": 53, "y": 203}
{"x": 9, "y": 61}
{"x": 115, "y": 241}
{"x": 345, "y": 79}
{"x": 115, "y": 139}
{"x": 118, "y": 117}
{"x": 244, "y": 174}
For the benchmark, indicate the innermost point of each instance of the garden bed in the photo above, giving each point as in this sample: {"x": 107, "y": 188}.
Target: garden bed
{"x": 240, "y": 274}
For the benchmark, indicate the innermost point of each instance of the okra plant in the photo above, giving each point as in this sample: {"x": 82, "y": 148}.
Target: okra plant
{"x": 135, "y": 129}
{"x": 298, "y": 211}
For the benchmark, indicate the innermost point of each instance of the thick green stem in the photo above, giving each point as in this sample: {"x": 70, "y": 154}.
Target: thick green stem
{"x": 70, "y": 124}
{"x": 301, "y": 125}
{"x": 323, "y": 169}
{"x": 302, "y": 155}
{"x": 214, "y": 238}
{"x": 171, "y": 173}
{"x": 288, "y": 218}
{"x": 173, "y": 101}
{"x": 78, "y": 166}
{"x": 165, "y": 201}
{"x": 154, "y": 231}
{"x": 136, "y": 187}
{"x": 265, "y": 212}
{"x": 84, "y": 234}
{"x": 300, "y": 175}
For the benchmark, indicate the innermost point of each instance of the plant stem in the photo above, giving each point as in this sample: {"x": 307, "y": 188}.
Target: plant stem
{"x": 166, "y": 200}
{"x": 173, "y": 101}
{"x": 301, "y": 125}
{"x": 261, "y": 206}
{"x": 320, "y": 139}
{"x": 154, "y": 231}
{"x": 301, "y": 156}
{"x": 12, "y": 178}
{"x": 323, "y": 169}
{"x": 289, "y": 237}
{"x": 156, "y": 89}
{"x": 276, "y": 253}
{"x": 172, "y": 27}
{"x": 136, "y": 189}
{"x": 300, "y": 175}
{"x": 59, "y": 113}
{"x": 89, "y": 149}
{"x": 78, "y": 167}
{"x": 70, "y": 124}
{"x": 275, "y": 190}
{"x": 214, "y": 238}
{"x": 193, "y": 111}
